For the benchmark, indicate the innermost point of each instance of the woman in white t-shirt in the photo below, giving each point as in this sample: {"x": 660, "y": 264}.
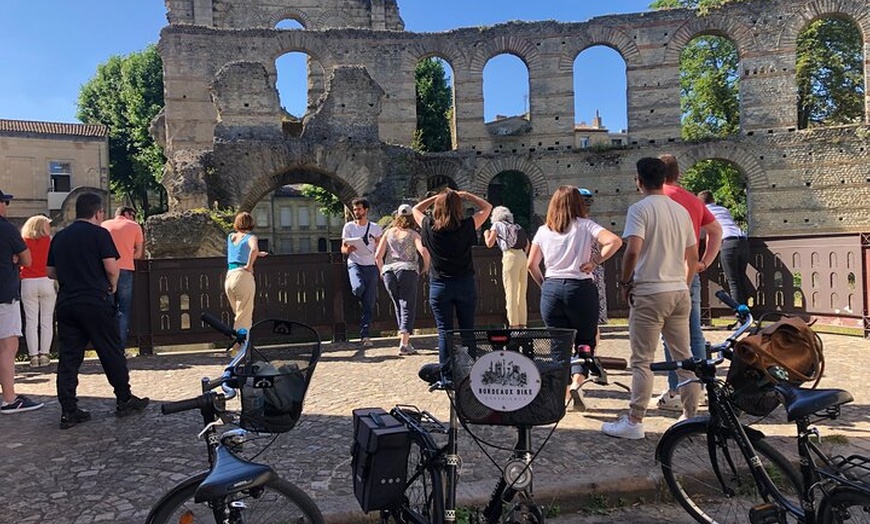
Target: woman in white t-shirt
{"x": 569, "y": 297}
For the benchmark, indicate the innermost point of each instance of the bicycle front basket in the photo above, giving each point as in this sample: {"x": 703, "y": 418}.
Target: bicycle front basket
{"x": 513, "y": 377}
{"x": 276, "y": 374}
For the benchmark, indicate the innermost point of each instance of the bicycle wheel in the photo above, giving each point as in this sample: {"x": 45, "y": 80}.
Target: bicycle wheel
{"x": 424, "y": 493}
{"x": 686, "y": 465}
{"x": 279, "y": 502}
{"x": 846, "y": 505}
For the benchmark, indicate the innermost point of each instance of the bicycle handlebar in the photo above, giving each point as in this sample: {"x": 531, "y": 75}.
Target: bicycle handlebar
{"x": 199, "y": 402}
{"x": 216, "y": 323}
{"x": 689, "y": 365}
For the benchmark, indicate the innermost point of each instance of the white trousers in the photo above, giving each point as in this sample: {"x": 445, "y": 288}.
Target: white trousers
{"x": 38, "y": 297}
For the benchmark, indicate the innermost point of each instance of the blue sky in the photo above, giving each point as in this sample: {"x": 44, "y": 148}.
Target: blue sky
{"x": 49, "y": 48}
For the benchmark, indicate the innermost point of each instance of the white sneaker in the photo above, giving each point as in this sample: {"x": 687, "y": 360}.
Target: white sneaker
{"x": 35, "y": 362}
{"x": 367, "y": 342}
{"x": 669, "y": 402}
{"x": 44, "y": 360}
{"x": 623, "y": 428}
{"x": 407, "y": 350}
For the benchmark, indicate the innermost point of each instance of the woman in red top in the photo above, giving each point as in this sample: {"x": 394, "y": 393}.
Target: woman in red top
{"x": 38, "y": 294}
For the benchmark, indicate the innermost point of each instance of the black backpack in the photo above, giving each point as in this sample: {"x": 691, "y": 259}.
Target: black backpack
{"x": 521, "y": 238}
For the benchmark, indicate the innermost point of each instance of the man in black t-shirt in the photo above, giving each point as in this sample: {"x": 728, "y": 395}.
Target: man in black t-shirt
{"x": 13, "y": 254}
{"x": 84, "y": 261}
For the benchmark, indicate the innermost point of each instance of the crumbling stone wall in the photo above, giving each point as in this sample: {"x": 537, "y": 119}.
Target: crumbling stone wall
{"x": 224, "y": 139}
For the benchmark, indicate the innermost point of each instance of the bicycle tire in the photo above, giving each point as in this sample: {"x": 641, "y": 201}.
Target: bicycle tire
{"x": 686, "y": 465}
{"x": 845, "y": 504}
{"x": 281, "y": 501}
{"x": 423, "y": 500}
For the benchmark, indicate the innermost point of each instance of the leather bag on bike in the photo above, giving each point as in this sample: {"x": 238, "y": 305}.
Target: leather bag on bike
{"x": 788, "y": 345}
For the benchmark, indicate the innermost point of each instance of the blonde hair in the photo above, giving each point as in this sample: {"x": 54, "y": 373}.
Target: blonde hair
{"x": 402, "y": 221}
{"x": 35, "y": 227}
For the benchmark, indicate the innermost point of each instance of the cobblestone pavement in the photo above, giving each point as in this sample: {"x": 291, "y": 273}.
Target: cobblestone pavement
{"x": 112, "y": 469}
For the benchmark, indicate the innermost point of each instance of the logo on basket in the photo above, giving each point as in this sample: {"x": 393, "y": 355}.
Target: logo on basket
{"x": 505, "y": 381}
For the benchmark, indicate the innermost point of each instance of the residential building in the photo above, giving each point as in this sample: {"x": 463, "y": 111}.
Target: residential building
{"x": 289, "y": 222}
{"x": 42, "y": 162}
{"x": 597, "y": 135}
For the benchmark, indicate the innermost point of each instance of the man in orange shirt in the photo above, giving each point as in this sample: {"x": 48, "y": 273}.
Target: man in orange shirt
{"x": 130, "y": 243}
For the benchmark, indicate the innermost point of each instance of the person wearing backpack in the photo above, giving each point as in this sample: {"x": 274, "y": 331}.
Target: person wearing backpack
{"x": 513, "y": 242}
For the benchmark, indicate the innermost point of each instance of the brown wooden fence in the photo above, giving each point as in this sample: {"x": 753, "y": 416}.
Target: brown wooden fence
{"x": 822, "y": 276}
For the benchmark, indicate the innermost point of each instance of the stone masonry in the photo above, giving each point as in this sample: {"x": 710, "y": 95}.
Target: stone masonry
{"x": 223, "y": 135}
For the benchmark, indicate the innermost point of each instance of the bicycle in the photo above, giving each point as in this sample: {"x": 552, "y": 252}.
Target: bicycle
{"x": 500, "y": 377}
{"x": 234, "y": 490}
{"x": 720, "y": 470}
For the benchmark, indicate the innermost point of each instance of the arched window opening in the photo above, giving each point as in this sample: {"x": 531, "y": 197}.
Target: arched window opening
{"x": 298, "y": 218}
{"x": 290, "y": 23}
{"x": 513, "y": 189}
{"x": 300, "y": 83}
{"x": 438, "y": 183}
{"x": 506, "y": 103}
{"x": 710, "y": 88}
{"x": 435, "y": 115}
{"x": 600, "y": 106}
{"x": 725, "y": 180}
{"x": 830, "y": 74}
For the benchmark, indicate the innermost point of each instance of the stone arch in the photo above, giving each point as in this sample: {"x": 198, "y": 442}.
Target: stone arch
{"x": 293, "y": 14}
{"x": 756, "y": 178}
{"x": 67, "y": 213}
{"x": 443, "y": 49}
{"x": 729, "y": 27}
{"x": 856, "y": 11}
{"x": 523, "y": 49}
{"x": 299, "y": 42}
{"x": 438, "y": 167}
{"x": 332, "y": 19}
{"x": 298, "y": 174}
{"x": 598, "y": 35}
{"x": 489, "y": 171}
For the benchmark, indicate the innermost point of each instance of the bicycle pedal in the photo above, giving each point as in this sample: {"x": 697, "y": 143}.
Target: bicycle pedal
{"x": 767, "y": 513}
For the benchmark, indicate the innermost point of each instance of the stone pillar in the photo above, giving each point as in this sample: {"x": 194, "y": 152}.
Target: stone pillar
{"x": 203, "y": 13}
{"x": 768, "y": 93}
{"x": 653, "y": 104}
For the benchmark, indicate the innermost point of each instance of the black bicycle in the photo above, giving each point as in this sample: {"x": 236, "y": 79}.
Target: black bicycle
{"x": 273, "y": 379}
{"x": 720, "y": 470}
{"x": 501, "y": 377}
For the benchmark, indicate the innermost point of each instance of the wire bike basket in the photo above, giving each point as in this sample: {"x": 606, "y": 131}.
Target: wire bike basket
{"x": 511, "y": 377}
{"x": 275, "y": 374}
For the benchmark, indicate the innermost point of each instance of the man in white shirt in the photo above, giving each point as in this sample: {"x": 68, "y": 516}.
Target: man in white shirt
{"x": 735, "y": 249}
{"x": 660, "y": 259}
{"x": 359, "y": 242}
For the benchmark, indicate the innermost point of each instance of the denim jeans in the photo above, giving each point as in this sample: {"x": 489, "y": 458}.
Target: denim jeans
{"x": 735, "y": 257}
{"x": 696, "y": 336}
{"x": 124, "y": 303}
{"x": 445, "y": 298}
{"x": 573, "y": 304}
{"x": 402, "y": 288}
{"x": 364, "y": 284}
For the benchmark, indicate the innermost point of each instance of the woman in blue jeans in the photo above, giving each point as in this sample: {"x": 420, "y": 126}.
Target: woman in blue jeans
{"x": 449, "y": 236}
{"x": 569, "y": 297}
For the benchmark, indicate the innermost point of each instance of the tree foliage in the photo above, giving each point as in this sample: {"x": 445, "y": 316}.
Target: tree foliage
{"x": 513, "y": 190}
{"x": 830, "y": 74}
{"x": 434, "y": 107}
{"x": 125, "y": 95}
{"x": 330, "y": 205}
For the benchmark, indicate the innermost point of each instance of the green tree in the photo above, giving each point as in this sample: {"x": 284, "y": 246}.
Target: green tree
{"x": 513, "y": 190}
{"x": 125, "y": 95}
{"x": 710, "y": 106}
{"x": 434, "y": 107}
{"x": 830, "y": 74}
{"x": 330, "y": 205}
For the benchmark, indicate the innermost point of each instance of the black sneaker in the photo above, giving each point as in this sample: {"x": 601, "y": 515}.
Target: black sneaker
{"x": 133, "y": 405}
{"x": 69, "y": 419}
{"x": 21, "y": 404}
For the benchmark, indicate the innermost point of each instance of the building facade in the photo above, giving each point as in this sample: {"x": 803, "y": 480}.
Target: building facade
{"x": 41, "y": 163}
{"x": 289, "y": 222}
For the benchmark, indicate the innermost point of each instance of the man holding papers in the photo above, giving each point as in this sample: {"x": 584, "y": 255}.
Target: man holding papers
{"x": 359, "y": 242}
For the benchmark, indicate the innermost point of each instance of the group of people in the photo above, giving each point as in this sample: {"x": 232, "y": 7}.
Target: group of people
{"x": 659, "y": 276}
{"x": 92, "y": 263}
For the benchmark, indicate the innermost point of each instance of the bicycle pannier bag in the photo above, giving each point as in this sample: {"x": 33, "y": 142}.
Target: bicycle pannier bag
{"x": 789, "y": 345}
{"x": 379, "y": 459}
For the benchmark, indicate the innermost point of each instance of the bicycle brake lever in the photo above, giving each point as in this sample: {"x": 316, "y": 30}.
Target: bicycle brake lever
{"x": 209, "y": 426}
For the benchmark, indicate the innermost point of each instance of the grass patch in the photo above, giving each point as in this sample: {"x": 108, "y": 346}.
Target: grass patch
{"x": 835, "y": 439}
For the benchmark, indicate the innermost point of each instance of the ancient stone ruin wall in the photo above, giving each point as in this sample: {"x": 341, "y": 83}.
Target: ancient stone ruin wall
{"x": 223, "y": 128}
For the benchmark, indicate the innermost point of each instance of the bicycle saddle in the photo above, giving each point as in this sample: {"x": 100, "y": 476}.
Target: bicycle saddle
{"x": 231, "y": 475}
{"x": 430, "y": 373}
{"x": 800, "y": 403}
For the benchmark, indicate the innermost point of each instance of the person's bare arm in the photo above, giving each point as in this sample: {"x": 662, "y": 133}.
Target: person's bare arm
{"x": 691, "y": 262}
{"x": 110, "y": 264}
{"x": 424, "y": 253}
{"x": 51, "y": 271}
{"x": 534, "y": 264}
{"x": 610, "y": 244}
{"x": 489, "y": 237}
{"x": 484, "y": 207}
{"x": 714, "y": 243}
{"x": 139, "y": 248}
{"x": 380, "y": 252}
{"x": 25, "y": 258}
{"x": 634, "y": 244}
{"x": 253, "y": 253}
{"x": 419, "y": 210}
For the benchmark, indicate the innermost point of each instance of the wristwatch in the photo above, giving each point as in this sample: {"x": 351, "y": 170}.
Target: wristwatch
{"x": 625, "y": 285}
